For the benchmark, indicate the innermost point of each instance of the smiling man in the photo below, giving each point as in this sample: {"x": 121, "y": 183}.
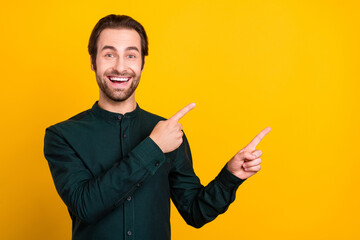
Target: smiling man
{"x": 116, "y": 166}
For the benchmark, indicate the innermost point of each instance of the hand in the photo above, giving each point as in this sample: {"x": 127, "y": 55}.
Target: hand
{"x": 168, "y": 134}
{"x": 247, "y": 162}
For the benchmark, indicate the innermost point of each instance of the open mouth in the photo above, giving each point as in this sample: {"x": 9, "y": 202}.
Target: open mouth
{"x": 119, "y": 79}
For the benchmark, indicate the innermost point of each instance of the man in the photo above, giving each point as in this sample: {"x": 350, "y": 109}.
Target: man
{"x": 116, "y": 166}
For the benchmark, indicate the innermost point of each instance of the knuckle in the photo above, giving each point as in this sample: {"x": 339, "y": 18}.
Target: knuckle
{"x": 249, "y": 155}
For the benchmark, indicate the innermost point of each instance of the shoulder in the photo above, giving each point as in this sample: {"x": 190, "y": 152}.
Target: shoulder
{"x": 149, "y": 115}
{"x": 148, "y": 118}
{"x": 72, "y": 123}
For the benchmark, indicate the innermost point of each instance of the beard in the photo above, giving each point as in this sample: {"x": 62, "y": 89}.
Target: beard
{"x": 117, "y": 94}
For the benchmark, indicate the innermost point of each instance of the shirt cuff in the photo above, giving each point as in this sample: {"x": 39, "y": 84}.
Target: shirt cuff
{"x": 228, "y": 180}
{"x": 149, "y": 155}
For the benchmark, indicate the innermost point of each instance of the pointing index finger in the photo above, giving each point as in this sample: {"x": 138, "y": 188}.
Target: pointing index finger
{"x": 182, "y": 112}
{"x": 252, "y": 145}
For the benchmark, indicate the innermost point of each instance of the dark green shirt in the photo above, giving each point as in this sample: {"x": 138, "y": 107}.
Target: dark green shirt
{"x": 117, "y": 183}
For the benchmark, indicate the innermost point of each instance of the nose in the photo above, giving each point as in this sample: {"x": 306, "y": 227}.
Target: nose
{"x": 120, "y": 65}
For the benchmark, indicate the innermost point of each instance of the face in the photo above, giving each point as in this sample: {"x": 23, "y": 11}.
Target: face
{"x": 118, "y": 64}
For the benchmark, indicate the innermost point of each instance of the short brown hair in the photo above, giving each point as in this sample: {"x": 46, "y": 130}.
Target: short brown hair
{"x": 117, "y": 22}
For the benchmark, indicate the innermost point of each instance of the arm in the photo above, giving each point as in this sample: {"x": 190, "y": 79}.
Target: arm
{"x": 92, "y": 197}
{"x": 199, "y": 205}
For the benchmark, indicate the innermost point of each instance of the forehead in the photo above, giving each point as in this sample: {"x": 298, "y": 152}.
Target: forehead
{"x": 119, "y": 38}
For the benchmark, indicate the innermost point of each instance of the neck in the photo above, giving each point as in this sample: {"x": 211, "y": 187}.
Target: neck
{"x": 122, "y": 107}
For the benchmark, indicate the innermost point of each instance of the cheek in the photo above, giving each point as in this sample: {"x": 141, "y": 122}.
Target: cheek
{"x": 136, "y": 66}
{"x": 102, "y": 66}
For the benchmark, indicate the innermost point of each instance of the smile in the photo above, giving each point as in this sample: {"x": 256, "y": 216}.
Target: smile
{"x": 119, "y": 79}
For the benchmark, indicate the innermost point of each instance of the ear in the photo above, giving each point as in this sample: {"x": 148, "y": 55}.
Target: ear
{"x": 91, "y": 64}
{"x": 143, "y": 66}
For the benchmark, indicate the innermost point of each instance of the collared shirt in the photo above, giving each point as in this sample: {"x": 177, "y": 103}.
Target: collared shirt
{"x": 117, "y": 183}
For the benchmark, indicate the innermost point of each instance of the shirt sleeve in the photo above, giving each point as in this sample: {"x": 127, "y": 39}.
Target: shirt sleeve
{"x": 197, "y": 204}
{"x": 92, "y": 197}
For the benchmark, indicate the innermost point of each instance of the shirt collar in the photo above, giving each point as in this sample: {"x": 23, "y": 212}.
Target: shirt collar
{"x": 102, "y": 113}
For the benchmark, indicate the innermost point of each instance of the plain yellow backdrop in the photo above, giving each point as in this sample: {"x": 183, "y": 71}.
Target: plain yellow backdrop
{"x": 291, "y": 65}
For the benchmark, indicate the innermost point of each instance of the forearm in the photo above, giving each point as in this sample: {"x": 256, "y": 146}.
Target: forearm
{"x": 198, "y": 204}
{"x": 206, "y": 203}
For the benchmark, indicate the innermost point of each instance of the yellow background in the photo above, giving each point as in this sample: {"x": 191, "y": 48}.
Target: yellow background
{"x": 291, "y": 65}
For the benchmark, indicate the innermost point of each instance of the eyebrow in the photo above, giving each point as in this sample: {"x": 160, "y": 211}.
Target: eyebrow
{"x": 114, "y": 49}
{"x": 132, "y": 48}
{"x": 108, "y": 47}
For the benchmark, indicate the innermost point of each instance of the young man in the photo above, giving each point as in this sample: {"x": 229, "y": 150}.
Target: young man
{"x": 116, "y": 166}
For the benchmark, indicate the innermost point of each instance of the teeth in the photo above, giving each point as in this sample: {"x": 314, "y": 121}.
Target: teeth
{"x": 118, "y": 79}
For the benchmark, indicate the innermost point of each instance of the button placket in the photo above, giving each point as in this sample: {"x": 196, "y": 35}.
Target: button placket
{"x": 129, "y": 208}
{"x": 129, "y": 223}
{"x": 125, "y": 123}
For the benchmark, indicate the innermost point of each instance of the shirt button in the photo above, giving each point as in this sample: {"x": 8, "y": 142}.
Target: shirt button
{"x": 157, "y": 164}
{"x": 138, "y": 184}
{"x": 125, "y": 135}
{"x": 129, "y": 233}
{"x": 119, "y": 117}
{"x": 129, "y": 198}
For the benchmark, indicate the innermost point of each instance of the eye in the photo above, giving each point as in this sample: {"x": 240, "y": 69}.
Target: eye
{"x": 110, "y": 55}
{"x": 131, "y": 56}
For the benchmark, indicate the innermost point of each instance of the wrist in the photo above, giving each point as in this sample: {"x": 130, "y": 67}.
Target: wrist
{"x": 155, "y": 140}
